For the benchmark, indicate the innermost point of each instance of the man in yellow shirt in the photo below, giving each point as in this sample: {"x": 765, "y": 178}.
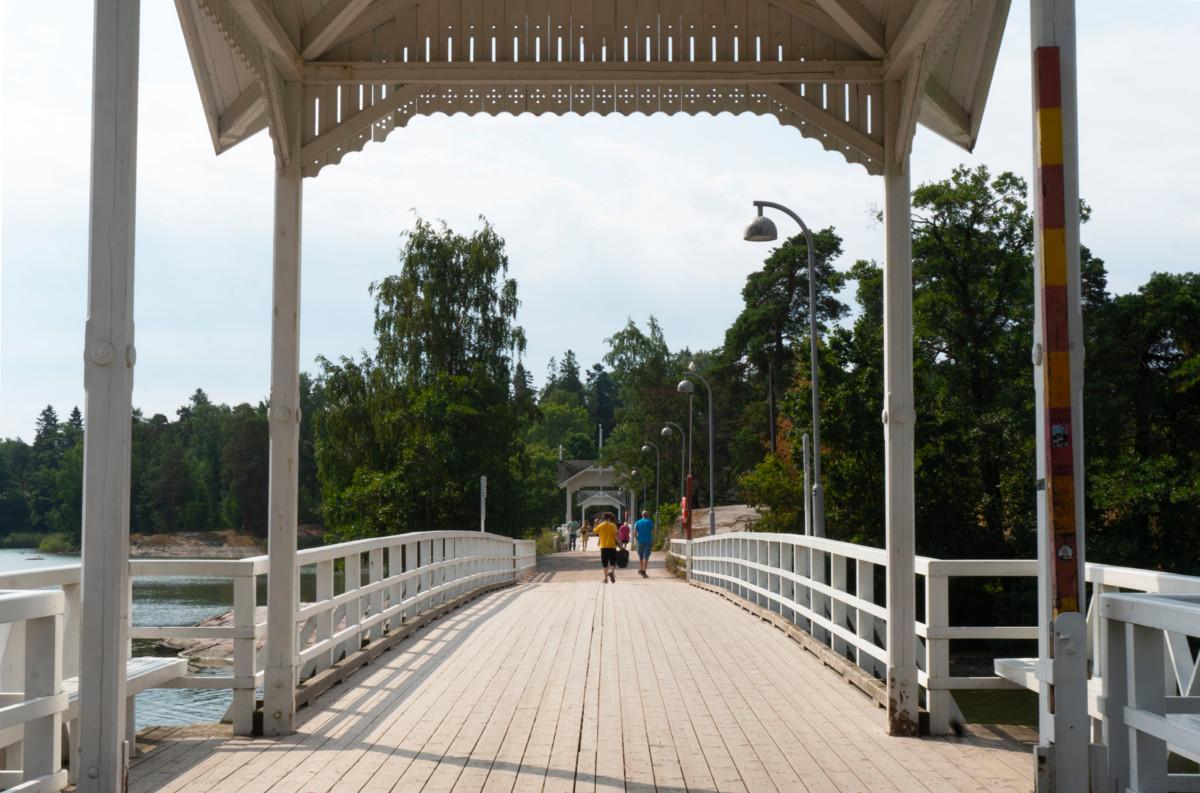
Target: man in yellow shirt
{"x": 606, "y": 532}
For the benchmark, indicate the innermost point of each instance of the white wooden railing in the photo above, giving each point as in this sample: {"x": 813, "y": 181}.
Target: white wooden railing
{"x": 1151, "y": 689}
{"x": 828, "y": 588}
{"x": 33, "y": 710}
{"x": 383, "y": 581}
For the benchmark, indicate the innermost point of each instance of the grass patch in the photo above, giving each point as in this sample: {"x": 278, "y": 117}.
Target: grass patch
{"x": 21, "y": 539}
{"x": 999, "y": 707}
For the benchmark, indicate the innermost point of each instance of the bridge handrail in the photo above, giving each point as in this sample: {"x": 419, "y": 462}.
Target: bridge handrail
{"x": 329, "y": 627}
{"x": 859, "y": 613}
{"x": 33, "y": 710}
{"x": 1151, "y": 692}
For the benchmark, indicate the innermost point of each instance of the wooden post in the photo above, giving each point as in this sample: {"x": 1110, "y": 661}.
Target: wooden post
{"x": 245, "y": 602}
{"x": 283, "y": 596}
{"x": 898, "y": 419}
{"x": 1058, "y": 369}
{"x": 108, "y": 382}
{"x": 41, "y": 752}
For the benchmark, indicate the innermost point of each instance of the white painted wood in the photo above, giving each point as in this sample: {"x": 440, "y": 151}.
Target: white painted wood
{"x": 329, "y": 23}
{"x": 898, "y": 420}
{"x": 528, "y": 73}
{"x": 109, "y": 357}
{"x": 284, "y": 417}
{"x": 863, "y": 27}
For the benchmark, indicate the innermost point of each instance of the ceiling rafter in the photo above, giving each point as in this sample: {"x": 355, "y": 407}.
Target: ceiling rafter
{"x": 809, "y": 14}
{"x": 924, "y": 21}
{"x": 241, "y": 114}
{"x": 262, "y": 23}
{"x": 329, "y": 23}
{"x": 825, "y": 120}
{"x": 612, "y": 72}
{"x": 860, "y": 24}
{"x": 369, "y": 19}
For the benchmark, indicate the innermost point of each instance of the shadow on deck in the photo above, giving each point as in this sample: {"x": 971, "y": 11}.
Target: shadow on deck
{"x": 568, "y": 684}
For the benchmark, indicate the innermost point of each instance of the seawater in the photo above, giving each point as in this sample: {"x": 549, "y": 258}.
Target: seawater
{"x": 164, "y": 601}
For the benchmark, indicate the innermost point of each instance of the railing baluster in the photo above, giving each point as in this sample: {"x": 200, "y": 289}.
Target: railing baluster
{"x": 325, "y": 620}
{"x": 43, "y": 678}
{"x": 940, "y": 703}
{"x": 354, "y": 607}
{"x": 244, "y": 609}
{"x": 375, "y": 599}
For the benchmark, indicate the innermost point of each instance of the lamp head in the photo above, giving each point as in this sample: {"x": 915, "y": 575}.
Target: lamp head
{"x": 691, "y": 366}
{"x": 667, "y": 432}
{"x": 633, "y": 472}
{"x": 761, "y": 229}
{"x": 686, "y": 387}
{"x": 646, "y": 448}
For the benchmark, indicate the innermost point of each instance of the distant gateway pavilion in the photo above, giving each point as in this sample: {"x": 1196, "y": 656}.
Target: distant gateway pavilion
{"x": 326, "y": 76}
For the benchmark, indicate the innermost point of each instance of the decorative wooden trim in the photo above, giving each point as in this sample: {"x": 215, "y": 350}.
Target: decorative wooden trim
{"x": 657, "y": 72}
{"x": 357, "y": 123}
{"x": 826, "y": 121}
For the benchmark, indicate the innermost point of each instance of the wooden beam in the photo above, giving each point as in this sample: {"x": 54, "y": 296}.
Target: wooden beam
{"x": 824, "y": 120}
{"x": 262, "y": 23}
{"x": 944, "y": 104}
{"x": 323, "y": 29}
{"x": 241, "y": 114}
{"x": 811, "y": 15}
{"x": 357, "y": 123}
{"x": 677, "y": 73}
{"x": 859, "y": 24}
{"x": 922, "y": 23}
{"x": 277, "y": 118}
{"x": 381, "y": 12}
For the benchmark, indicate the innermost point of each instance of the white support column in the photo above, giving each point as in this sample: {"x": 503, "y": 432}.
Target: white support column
{"x": 108, "y": 381}
{"x": 1058, "y": 382}
{"x": 898, "y": 419}
{"x": 279, "y": 702}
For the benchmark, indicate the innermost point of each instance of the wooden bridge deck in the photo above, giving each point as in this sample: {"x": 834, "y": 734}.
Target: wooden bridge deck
{"x": 568, "y": 684}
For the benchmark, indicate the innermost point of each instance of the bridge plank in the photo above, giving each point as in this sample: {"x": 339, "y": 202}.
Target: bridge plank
{"x": 568, "y": 684}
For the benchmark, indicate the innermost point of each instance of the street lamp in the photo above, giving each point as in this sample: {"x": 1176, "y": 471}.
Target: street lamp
{"x": 688, "y": 387}
{"x": 647, "y": 446}
{"x": 762, "y": 229}
{"x": 666, "y": 433}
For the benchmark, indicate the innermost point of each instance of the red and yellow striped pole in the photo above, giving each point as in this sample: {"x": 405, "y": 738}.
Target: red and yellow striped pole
{"x": 1058, "y": 426}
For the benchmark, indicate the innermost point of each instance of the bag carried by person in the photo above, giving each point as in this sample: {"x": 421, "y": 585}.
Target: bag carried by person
{"x": 623, "y": 557}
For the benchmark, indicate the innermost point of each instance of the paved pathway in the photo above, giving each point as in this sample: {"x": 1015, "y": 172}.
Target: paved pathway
{"x": 568, "y": 684}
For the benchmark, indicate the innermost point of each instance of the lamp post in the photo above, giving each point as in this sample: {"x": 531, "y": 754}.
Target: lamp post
{"x": 647, "y": 446}
{"x": 670, "y": 428}
{"x": 762, "y": 229}
{"x": 686, "y": 386}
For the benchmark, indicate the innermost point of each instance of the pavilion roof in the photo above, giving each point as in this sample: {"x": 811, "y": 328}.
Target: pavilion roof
{"x": 368, "y": 66}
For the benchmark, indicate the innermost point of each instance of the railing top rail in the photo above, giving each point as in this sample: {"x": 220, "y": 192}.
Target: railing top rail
{"x": 328, "y": 552}
{"x": 866, "y": 553}
{"x": 1153, "y": 581}
{"x": 23, "y": 604}
{"x": 60, "y": 575}
{"x": 1175, "y": 613}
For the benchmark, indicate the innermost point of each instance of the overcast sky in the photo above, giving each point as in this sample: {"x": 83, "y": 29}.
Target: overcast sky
{"x": 605, "y": 218}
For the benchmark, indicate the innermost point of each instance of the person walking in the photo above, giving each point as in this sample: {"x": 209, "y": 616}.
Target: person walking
{"x": 572, "y": 534}
{"x": 623, "y": 534}
{"x": 585, "y": 531}
{"x": 606, "y": 533}
{"x": 645, "y": 542}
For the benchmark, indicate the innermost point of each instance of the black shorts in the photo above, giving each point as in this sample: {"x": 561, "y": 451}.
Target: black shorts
{"x": 608, "y": 557}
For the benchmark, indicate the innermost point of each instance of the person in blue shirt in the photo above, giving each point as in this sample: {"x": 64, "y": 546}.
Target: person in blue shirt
{"x": 645, "y": 541}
